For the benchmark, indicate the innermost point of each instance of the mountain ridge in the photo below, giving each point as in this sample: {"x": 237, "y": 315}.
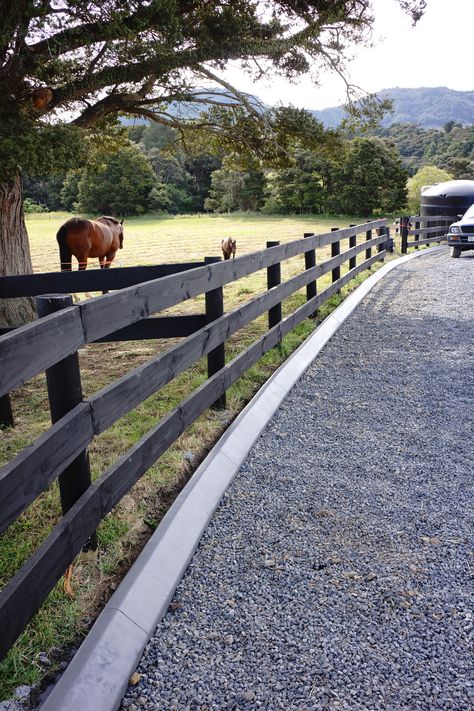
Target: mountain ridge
{"x": 428, "y": 107}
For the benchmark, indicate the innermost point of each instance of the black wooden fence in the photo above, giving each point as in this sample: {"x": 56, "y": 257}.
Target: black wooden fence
{"x": 426, "y": 230}
{"x": 52, "y": 342}
{"x": 106, "y": 280}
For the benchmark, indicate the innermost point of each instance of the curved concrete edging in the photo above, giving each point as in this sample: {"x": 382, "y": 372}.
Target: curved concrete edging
{"x": 97, "y": 677}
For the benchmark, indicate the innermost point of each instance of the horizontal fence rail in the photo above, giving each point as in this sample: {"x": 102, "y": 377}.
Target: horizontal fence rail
{"x": 87, "y": 280}
{"x": 28, "y": 474}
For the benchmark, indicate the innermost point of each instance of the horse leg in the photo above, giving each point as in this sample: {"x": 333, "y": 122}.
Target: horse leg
{"x": 82, "y": 262}
{"x": 108, "y": 261}
{"x": 103, "y": 265}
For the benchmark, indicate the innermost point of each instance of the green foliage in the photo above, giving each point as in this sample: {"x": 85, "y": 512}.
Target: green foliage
{"x": 366, "y": 177}
{"x": 154, "y": 135}
{"x": 271, "y": 136}
{"x": 183, "y": 178}
{"x": 169, "y": 198}
{"x": 38, "y": 148}
{"x": 121, "y": 186}
{"x": 70, "y": 190}
{"x": 44, "y": 190}
{"x": 429, "y": 175}
{"x": 371, "y": 178}
{"x": 300, "y": 189}
{"x": 200, "y": 169}
{"x": 86, "y": 65}
{"x": 233, "y": 190}
{"x": 31, "y": 207}
{"x": 450, "y": 149}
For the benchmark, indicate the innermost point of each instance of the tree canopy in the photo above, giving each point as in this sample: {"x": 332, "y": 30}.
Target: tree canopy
{"x": 428, "y": 175}
{"x": 81, "y": 61}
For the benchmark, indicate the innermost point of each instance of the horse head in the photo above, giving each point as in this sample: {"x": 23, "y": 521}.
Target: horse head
{"x": 116, "y": 226}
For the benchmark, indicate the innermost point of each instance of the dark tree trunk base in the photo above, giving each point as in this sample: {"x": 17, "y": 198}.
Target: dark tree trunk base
{"x": 14, "y": 251}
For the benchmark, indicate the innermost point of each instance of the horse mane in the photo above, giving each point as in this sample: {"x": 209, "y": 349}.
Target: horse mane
{"x": 111, "y": 219}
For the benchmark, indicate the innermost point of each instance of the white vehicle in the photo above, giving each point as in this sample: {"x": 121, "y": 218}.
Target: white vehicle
{"x": 461, "y": 234}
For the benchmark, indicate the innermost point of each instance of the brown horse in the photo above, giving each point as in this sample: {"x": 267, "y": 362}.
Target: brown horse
{"x": 89, "y": 238}
{"x": 229, "y": 247}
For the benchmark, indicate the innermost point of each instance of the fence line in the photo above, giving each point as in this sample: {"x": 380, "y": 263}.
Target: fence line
{"x": 55, "y": 337}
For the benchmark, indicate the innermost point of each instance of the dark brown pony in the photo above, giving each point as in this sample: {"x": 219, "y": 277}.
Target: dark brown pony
{"x": 229, "y": 247}
{"x": 89, "y": 238}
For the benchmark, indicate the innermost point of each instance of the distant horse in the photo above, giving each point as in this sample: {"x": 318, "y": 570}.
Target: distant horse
{"x": 229, "y": 247}
{"x": 89, "y": 238}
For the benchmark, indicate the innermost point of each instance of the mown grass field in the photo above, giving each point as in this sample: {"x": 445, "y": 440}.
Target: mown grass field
{"x": 148, "y": 240}
{"x": 167, "y": 238}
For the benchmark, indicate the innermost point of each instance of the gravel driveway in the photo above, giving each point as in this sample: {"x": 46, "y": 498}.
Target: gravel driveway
{"x": 338, "y": 572}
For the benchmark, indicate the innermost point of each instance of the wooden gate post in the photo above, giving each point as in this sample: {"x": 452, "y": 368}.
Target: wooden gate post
{"x": 404, "y": 223}
{"x": 216, "y": 357}
{"x": 273, "y": 279}
{"x": 65, "y": 392}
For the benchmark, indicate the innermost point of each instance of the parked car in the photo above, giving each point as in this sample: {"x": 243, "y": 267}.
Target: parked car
{"x": 461, "y": 234}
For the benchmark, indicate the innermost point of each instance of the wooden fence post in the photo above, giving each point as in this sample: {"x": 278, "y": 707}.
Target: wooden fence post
{"x": 335, "y": 250}
{"x": 383, "y": 231}
{"x": 404, "y": 223}
{"x": 352, "y": 243}
{"x": 65, "y": 392}
{"x": 273, "y": 279}
{"x": 6, "y": 413}
{"x": 309, "y": 263}
{"x": 216, "y": 357}
{"x": 368, "y": 252}
{"x": 417, "y": 236}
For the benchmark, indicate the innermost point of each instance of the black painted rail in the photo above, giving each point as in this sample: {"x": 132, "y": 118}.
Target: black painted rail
{"x": 50, "y": 341}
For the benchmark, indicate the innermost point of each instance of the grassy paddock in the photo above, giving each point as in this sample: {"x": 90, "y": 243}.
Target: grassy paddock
{"x": 148, "y": 240}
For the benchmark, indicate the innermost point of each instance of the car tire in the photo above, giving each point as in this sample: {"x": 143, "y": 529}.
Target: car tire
{"x": 456, "y": 251}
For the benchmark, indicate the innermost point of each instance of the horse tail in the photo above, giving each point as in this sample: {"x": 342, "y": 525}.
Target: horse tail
{"x": 65, "y": 254}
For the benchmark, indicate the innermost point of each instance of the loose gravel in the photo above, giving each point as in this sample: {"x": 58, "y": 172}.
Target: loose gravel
{"x": 338, "y": 571}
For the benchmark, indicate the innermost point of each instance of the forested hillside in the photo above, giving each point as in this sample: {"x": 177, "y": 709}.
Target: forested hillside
{"x": 450, "y": 148}
{"x": 429, "y": 107}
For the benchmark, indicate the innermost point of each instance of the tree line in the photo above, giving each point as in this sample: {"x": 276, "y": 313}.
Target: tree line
{"x": 151, "y": 171}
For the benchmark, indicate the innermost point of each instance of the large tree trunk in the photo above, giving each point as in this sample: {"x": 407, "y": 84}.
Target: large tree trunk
{"x": 14, "y": 251}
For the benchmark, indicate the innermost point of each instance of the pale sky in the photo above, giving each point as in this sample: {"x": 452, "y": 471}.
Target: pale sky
{"x": 439, "y": 51}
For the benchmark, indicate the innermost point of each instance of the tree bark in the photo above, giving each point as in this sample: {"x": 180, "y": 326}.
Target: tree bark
{"x": 14, "y": 251}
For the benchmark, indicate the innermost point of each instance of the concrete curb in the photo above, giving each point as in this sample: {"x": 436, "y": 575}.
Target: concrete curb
{"x": 97, "y": 677}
